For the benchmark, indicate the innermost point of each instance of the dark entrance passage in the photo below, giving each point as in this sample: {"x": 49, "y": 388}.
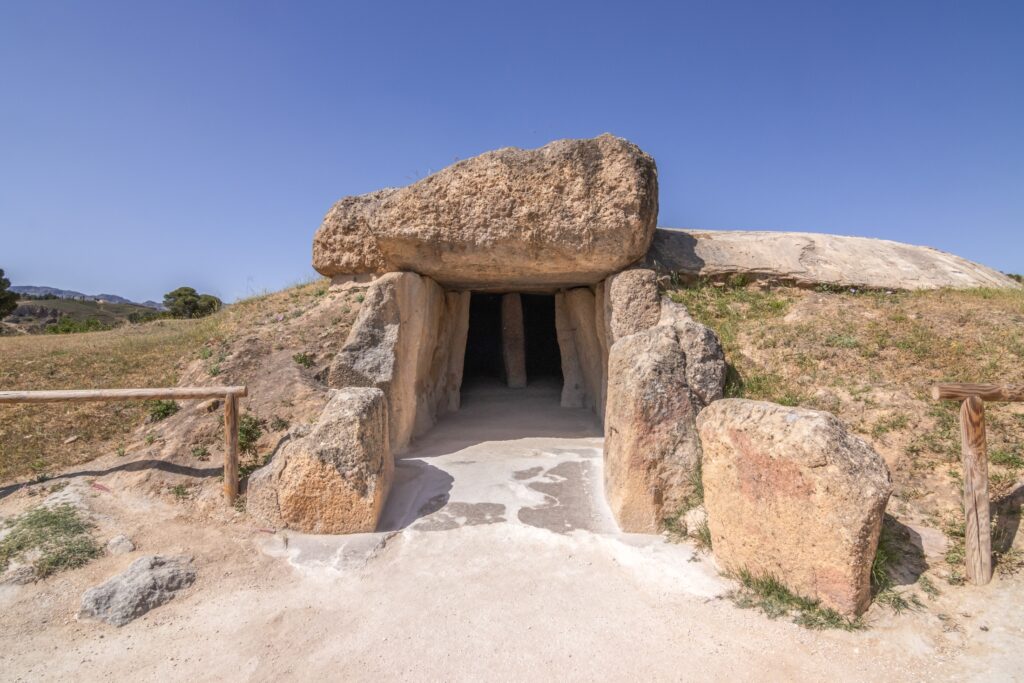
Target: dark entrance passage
{"x": 543, "y": 359}
{"x": 484, "y": 351}
{"x": 483, "y": 341}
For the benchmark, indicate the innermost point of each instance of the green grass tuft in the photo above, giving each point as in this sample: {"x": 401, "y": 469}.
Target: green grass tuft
{"x": 772, "y": 597}
{"x": 59, "y": 534}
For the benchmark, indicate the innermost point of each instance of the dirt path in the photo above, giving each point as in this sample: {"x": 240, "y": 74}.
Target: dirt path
{"x": 502, "y": 563}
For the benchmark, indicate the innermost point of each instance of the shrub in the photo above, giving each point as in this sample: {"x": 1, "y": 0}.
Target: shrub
{"x": 161, "y": 410}
{"x": 71, "y": 326}
{"x": 186, "y": 302}
{"x": 303, "y": 359}
{"x": 8, "y": 299}
{"x": 250, "y": 429}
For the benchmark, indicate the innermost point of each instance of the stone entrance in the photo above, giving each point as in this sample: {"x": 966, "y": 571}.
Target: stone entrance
{"x": 521, "y": 268}
{"x": 512, "y": 338}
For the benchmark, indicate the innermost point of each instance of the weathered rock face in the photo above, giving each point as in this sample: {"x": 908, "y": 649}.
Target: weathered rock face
{"x": 631, "y": 303}
{"x": 790, "y": 493}
{"x": 147, "y": 583}
{"x": 336, "y": 479}
{"x": 567, "y": 214}
{"x": 652, "y": 453}
{"x": 809, "y": 259}
{"x": 705, "y": 358}
{"x": 409, "y": 341}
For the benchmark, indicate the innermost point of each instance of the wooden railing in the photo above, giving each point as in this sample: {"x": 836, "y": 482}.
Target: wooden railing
{"x": 977, "y": 518}
{"x": 229, "y": 394}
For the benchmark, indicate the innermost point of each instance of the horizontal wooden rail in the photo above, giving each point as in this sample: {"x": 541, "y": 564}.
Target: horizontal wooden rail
{"x": 229, "y": 394}
{"x": 118, "y": 394}
{"x": 986, "y": 392}
{"x": 977, "y": 515}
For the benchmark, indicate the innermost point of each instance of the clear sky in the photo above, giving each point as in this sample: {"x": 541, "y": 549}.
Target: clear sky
{"x": 148, "y": 145}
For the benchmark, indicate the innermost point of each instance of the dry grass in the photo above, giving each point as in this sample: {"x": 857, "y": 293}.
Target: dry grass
{"x": 871, "y": 358}
{"x": 32, "y": 436}
{"x": 159, "y": 353}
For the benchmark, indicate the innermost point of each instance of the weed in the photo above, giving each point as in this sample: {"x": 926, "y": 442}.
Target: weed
{"x": 205, "y": 352}
{"x": 161, "y": 410}
{"x": 180, "y": 492}
{"x": 775, "y": 599}
{"x": 279, "y": 424}
{"x": 59, "y": 534}
{"x": 842, "y": 341}
{"x": 927, "y": 587}
{"x": 303, "y": 359}
{"x": 240, "y": 504}
{"x": 360, "y": 298}
{"x": 150, "y": 439}
{"x": 250, "y": 429}
{"x": 214, "y": 370}
{"x": 703, "y": 536}
{"x": 888, "y": 424}
{"x": 201, "y": 453}
{"x": 121, "y": 451}
{"x": 1009, "y": 459}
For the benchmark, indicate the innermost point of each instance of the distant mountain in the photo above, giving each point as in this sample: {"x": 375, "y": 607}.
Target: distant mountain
{"x": 31, "y": 290}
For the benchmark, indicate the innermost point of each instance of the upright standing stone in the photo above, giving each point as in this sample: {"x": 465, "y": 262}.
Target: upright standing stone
{"x": 513, "y": 340}
{"x": 651, "y": 449}
{"x": 791, "y": 494}
{"x": 580, "y": 305}
{"x": 334, "y": 480}
{"x": 573, "y": 392}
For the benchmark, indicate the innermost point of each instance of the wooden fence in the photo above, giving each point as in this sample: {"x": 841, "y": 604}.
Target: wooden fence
{"x": 229, "y": 394}
{"x": 977, "y": 518}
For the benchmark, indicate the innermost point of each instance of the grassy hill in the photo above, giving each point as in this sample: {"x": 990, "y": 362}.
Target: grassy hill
{"x": 871, "y": 358}
{"x": 33, "y": 315}
{"x": 244, "y": 343}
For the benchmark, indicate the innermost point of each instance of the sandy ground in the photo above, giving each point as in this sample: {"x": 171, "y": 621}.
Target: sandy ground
{"x": 499, "y": 561}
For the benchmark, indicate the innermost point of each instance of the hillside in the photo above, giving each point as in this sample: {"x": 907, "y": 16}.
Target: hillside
{"x": 871, "y": 358}
{"x": 251, "y": 342}
{"x": 34, "y": 315}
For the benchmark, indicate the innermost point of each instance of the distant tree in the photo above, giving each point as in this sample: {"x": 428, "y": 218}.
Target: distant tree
{"x": 8, "y": 299}
{"x": 185, "y": 302}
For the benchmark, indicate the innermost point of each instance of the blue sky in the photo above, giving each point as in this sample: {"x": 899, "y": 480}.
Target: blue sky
{"x": 149, "y": 145}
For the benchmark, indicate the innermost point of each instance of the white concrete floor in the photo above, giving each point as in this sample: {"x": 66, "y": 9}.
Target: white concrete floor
{"x": 509, "y": 456}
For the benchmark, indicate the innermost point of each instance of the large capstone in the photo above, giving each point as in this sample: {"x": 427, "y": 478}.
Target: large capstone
{"x": 791, "y": 494}
{"x": 567, "y": 214}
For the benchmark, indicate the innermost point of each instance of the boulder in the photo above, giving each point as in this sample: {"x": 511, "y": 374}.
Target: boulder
{"x": 148, "y": 582}
{"x": 409, "y": 341}
{"x": 705, "y": 359}
{"x": 651, "y": 449}
{"x": 567, "y": 214}
{"x": 810, "y": 259}
{"x": 790, "y": 493}
{"x": 631, "y": 303}
{"x": 336, "y": 479}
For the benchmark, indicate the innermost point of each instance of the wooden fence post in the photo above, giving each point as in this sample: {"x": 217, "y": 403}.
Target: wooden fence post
{"x": 977, "y": 521}
{"x": 231, "y": 448}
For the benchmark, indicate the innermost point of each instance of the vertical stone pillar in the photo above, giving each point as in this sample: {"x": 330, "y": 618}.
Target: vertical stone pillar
{"x": 572, "y": 376}
{"x": 513, "y": 340}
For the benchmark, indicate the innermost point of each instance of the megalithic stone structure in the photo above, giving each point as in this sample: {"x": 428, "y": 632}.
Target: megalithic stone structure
{"x": 513, "y": 340}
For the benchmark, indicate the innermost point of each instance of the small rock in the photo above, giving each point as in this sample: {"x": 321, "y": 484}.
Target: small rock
{"x": 148, "y": 582}
{"x": 210, "y": 406}
{"x": 120, "y": 545}
{"x": 70, "y": 439}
